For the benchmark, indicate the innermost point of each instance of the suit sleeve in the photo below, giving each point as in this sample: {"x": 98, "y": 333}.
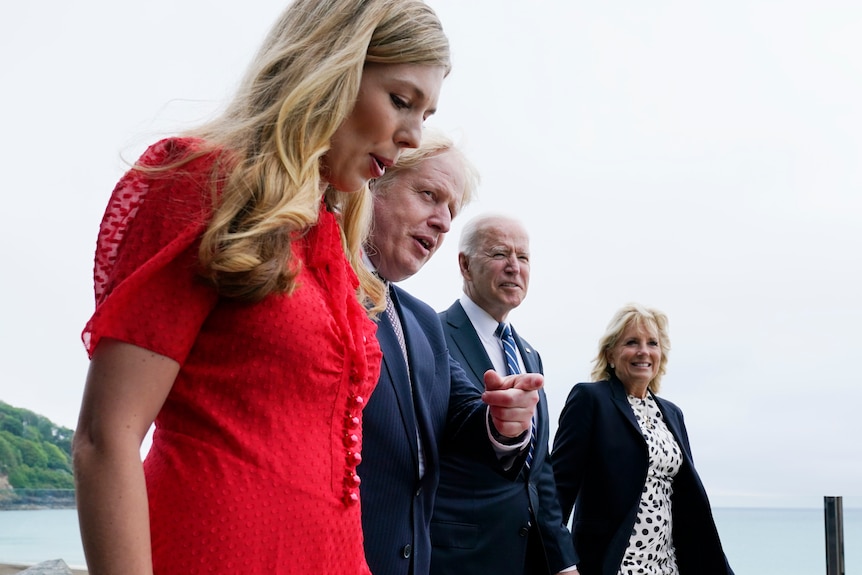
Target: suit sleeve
{"x": 571, "y": 445}
{"x": 556, "y": 537}
{"x": 467, "y": 411}
{"x": 467, "y": 429}
{"x": 683, "y": 434}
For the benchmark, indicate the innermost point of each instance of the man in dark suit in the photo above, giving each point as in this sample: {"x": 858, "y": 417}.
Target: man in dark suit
{"x": 485, "y": 521}
{"x": 423, "y": 396}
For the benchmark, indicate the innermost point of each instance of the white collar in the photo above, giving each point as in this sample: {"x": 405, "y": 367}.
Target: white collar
{"x": 482, "y": 321}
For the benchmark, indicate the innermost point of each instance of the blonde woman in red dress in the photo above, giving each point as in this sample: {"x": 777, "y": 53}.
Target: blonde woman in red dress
{"x": 231, "y": 308}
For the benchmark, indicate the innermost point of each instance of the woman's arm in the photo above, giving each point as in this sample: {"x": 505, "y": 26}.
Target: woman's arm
{"x": 126, "y": 387}
{"x": 571, "y": 446}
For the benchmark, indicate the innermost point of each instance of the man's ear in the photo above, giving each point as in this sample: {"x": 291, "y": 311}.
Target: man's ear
{"x": 464, "y": 264}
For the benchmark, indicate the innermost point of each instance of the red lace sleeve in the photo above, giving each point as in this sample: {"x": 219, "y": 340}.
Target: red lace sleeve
{"x": 147, "y": 288}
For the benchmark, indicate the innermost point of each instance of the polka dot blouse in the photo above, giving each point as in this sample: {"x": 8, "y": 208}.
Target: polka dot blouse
{"x": 650, "y": 550}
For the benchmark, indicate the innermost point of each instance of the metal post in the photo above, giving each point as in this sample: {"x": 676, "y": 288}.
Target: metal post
{"x": 833, "y": 511}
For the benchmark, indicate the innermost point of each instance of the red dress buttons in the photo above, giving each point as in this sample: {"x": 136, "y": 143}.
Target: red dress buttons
{"x": 351, "y": 498}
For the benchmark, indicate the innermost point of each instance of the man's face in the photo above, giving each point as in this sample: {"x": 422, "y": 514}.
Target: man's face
{"x": 497, "y": 276}
{"x": 412, "y": 215}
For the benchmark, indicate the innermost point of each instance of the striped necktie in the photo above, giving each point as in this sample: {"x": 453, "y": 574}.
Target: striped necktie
{"x": 504, "y": 332}
{"x": 395, "y": 321}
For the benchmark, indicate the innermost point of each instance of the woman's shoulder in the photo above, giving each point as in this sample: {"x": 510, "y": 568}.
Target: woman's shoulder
{"x": 187, "y": 154}
{"x": 594, "y": 387}
{"x": 591, "y": 390}
{"x": 668, "y": 405}
{"x": 175, "y": 173}
{"x": 170, "y": 149}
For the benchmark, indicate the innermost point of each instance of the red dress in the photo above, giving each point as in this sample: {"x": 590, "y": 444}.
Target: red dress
{"x": 252, "y": 466}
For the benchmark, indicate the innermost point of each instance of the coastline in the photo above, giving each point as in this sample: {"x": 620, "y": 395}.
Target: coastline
{"x": 13, "y": 568}
{"x": 757, "y": 541}
{"x": 36, "y": 499}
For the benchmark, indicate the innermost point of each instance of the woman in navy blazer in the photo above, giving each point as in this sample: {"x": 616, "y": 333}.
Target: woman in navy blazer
{"x": 622, "y": 460}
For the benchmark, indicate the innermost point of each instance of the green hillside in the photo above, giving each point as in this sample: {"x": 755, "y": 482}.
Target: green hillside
{"x": 34, "y": 452}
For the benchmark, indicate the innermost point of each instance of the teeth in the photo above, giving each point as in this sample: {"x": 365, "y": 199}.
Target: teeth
{"x": 426, "y": 244}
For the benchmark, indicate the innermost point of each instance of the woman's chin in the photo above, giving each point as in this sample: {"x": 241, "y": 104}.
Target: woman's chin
{"x": 348, "y": 186}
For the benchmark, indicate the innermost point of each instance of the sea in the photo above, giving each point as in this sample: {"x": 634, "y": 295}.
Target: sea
{"x": 770, "y": 541}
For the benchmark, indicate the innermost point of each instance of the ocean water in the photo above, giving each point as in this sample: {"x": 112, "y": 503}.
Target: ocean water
{"x": 785, "y": 541}
{"x": 756, "y": 541}
{"x": 28, "y": 537}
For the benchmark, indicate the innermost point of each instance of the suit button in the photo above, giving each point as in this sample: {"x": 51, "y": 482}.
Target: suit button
{"x": 406, "y": 551}
{"x": 418, "y": 492}
{"x": 524, "y": 531}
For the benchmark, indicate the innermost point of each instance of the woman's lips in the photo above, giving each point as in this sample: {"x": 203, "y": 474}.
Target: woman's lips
{"x": 377, "y": 167}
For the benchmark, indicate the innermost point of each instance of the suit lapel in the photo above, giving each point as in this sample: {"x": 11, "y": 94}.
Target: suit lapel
{"x": 618, "y": 395}
{"x": 396, "y": 369}
{"x": 530, "y": 358}
{"x": 673, "y": 424}
{"x": 418, "y": 348}
{"x": 531, "y": 365}
{"x": 465, "y": 337}
{"x": 416, "y": 391}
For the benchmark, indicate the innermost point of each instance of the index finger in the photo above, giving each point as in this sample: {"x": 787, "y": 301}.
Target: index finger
{"x": 528, "y": 381}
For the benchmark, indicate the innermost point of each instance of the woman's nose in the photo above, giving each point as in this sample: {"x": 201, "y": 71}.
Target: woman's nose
{"x": 411, "y": 134}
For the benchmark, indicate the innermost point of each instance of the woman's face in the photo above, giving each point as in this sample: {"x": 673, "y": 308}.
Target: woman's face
{"x": 393, "y": 102}
{"x": 636, "y": 356}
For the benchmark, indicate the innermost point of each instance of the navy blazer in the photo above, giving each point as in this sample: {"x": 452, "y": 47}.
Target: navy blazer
{"x": 435, "y": 402}
{"x": 483, "y": 516}
{"x": 600, "y": 464}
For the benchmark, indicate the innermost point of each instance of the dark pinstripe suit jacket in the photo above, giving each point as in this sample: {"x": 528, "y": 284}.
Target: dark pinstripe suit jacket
{"x": 397, "y": 502}
{"x": 482, "y": 518}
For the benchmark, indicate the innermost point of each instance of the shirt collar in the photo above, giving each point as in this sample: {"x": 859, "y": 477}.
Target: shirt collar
{"x": 481, "y": 320}
{"x": 368, "y": 264}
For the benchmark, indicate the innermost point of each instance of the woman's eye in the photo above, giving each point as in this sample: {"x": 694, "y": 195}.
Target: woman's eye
{"x": 399, "y": 102}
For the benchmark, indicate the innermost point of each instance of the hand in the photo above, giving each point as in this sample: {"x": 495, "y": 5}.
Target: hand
{"x": 512, "y": 400}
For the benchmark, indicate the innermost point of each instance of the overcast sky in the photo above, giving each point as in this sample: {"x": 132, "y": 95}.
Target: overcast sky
{"x": 701, "y": 157}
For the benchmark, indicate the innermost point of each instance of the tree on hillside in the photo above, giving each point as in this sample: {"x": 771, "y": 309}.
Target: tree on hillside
{"x": 9, "y": 456}
{"x": 35, "y": 453}
{"x": 11, "y": 424}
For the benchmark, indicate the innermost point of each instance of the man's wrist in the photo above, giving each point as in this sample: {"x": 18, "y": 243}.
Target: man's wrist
{"x": 503, "y": 439}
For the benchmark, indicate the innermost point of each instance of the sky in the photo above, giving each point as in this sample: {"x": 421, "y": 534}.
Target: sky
{"x": 704, "y": 158}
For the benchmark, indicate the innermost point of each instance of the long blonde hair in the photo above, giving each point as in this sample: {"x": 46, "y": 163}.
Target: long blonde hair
{"x": 300, "y": 87}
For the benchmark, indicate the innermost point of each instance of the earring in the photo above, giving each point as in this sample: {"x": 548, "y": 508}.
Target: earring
{"x": 612, "y": 366}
